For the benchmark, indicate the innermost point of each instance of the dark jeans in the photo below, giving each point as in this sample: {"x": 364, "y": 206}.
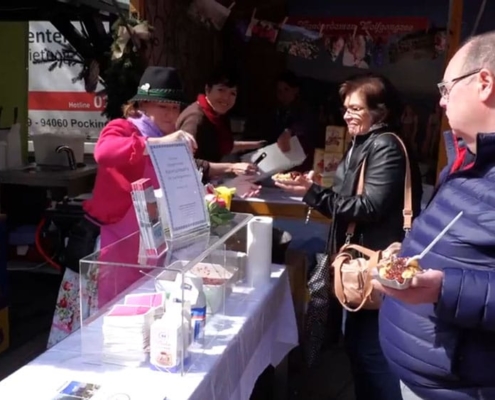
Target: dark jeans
{"x": 373, "y": 380}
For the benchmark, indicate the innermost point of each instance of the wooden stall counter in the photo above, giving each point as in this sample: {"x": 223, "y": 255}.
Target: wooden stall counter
{"x": 276, "y": 203}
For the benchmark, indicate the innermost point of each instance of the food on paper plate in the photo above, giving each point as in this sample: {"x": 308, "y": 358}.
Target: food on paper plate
{"x": 287, "y": 176}
{"x": 397, "y": 272}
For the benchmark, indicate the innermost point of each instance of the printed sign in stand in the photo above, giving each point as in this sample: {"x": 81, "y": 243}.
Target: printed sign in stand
{"x": 183, "y": 200}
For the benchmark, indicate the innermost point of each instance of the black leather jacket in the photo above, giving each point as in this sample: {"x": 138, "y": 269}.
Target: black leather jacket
{"x": 378, "y": 212}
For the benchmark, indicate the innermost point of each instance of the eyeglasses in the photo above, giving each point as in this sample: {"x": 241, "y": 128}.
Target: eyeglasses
{"x": 445, "y": 87}
{"x": 352, "y": 110}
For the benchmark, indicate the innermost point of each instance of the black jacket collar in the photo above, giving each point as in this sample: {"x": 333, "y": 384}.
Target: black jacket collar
{"x": 361, "y": 142}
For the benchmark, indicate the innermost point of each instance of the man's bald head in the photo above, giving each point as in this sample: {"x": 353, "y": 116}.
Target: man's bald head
{"x": 479, "y": 52}
{"x": 469, "y": 81}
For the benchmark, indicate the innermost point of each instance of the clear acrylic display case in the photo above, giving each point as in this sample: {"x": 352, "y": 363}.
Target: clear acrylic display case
{"x": 123, "y": 292}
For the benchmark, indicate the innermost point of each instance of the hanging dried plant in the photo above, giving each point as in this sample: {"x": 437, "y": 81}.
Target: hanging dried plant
{"x": 127, "y": 64}
{"x": 118, "y": 69}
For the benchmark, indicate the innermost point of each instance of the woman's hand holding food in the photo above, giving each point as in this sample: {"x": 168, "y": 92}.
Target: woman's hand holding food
{"x": 425, "y": 288}
{"x": 294, "y": 182}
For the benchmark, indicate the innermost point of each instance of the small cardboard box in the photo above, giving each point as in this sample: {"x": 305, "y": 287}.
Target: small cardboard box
{"x": 319, "y": 162}
{"x": 335, "y": 139}
{"x": 318, "y": 165}
{"x": 331, "y": 162}
{"x": 4, "y": 305}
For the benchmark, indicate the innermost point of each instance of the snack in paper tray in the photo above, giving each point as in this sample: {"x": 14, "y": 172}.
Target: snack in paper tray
{"x": 212, "y": 274}
{"x": 286, "y": 177}
{"x": 397, "y": 272}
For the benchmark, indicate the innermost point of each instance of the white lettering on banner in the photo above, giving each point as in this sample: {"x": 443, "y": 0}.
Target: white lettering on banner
{"x": 56, "y": 103}
{"x": 369, "y": 26}
{"x": 98, "y": 102}
{"x": 78, "y": 105}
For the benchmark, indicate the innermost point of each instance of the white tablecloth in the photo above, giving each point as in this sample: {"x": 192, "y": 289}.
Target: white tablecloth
{"x": 257, "y": 329}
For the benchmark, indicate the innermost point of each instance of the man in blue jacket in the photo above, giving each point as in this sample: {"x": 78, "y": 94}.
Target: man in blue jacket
{"x": 439, "y": 335}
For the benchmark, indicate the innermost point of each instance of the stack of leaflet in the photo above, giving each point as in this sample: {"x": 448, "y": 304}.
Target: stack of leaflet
{"x": 126, "y": 328}
{"x": 155, "y": 300}
{"x": 126, "y": 334}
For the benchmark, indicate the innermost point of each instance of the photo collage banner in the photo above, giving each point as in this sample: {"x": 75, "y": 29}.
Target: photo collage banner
{"x": 352, "y": 42}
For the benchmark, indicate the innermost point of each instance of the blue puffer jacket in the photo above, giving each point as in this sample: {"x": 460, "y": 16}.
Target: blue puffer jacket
{"x": 446, "y": 351}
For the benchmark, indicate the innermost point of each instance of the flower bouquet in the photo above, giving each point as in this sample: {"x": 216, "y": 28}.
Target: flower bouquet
{"x": 218, "y": 203}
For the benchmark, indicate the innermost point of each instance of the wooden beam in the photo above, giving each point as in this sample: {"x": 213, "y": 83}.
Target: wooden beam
{"x": 454, "y": 40}
{"x": 137, "y": 7}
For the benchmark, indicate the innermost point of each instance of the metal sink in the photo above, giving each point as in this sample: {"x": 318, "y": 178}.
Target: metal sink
{"x": 72, "y": 181}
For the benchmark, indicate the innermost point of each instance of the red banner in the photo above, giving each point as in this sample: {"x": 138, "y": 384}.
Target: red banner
{"x": 370, "y": 27}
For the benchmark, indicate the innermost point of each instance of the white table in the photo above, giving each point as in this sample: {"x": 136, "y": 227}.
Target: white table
{"x": 257, "y": 329}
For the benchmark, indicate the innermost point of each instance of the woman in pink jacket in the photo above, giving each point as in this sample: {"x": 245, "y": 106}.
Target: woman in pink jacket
{"x": 121, "y": 155}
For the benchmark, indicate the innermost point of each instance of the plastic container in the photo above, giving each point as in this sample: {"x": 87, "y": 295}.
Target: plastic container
{"x": 194, "y": 296}
{"x": 169, "y": 339}
{"x": 198, "y": 306}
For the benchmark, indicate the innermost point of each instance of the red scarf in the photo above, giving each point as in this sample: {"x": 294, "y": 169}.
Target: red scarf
{"x": 460, "y": 161}
{"x": 221, "y": 124}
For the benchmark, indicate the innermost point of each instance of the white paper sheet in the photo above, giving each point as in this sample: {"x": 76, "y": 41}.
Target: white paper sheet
{"x": 275, "y": 160}
{"x": 183, "y": 192}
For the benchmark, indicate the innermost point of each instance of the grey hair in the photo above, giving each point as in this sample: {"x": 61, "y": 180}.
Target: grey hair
{"x": 480, "y": 52}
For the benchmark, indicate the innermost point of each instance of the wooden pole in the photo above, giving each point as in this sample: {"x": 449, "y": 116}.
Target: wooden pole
{"x": 454, "y": 40}
{"x": 137, "y": 7}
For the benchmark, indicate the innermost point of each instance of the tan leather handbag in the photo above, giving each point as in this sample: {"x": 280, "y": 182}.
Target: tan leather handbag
{"x": 353, "y": 275}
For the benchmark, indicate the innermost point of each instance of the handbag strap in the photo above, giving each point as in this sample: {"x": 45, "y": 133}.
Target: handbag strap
{"x": 407, "y": 212}
{"x": 360, "y": 249}
{"x": 340, "y": 260}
